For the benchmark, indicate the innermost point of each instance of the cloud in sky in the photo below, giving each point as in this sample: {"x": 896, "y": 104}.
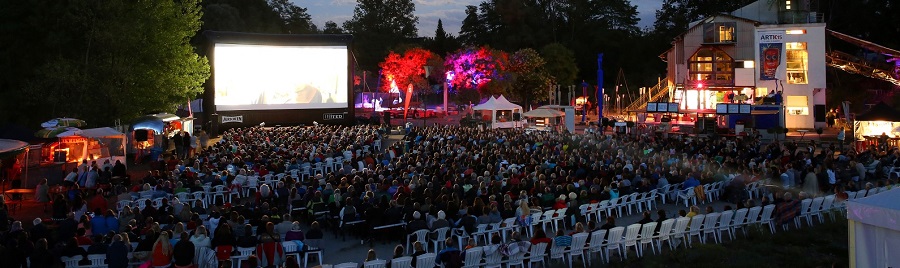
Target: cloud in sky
{"x": 451, "y": 12}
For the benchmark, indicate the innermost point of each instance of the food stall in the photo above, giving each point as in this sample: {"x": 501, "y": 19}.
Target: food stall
{"x": 543, "y": 119}
{"x": 880, "y": 119}
{"x": 95, "y": 144}
{"x": 149, "y": 133}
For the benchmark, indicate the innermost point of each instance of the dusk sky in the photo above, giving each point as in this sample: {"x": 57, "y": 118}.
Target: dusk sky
{"x": 451, "y": 12}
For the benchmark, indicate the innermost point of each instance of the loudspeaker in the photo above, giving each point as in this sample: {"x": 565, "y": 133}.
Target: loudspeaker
{"x": 517, "y": 116}
{"x": 140, "y": 135}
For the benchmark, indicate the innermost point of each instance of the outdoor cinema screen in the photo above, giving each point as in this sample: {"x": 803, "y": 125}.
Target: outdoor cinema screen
{"x": 269, "y": 77}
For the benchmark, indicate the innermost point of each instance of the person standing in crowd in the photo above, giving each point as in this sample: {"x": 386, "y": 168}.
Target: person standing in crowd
{"x": 179, "y": 145}
{"x": 186, "y": 145}
{"x": 184, "y": 252}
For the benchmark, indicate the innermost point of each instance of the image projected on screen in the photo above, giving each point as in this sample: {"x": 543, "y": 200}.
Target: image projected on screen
{"x": 260, "y": 77}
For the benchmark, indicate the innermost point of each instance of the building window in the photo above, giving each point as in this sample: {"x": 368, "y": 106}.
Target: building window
{"x": 797, "y": 63}
{"x": 797, "y": 105}
{"x": 713, "y": 67}
{"x": 719, "y": 32}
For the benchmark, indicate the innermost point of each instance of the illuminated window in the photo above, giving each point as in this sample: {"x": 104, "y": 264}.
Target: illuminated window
{"x": 797, "y": 105}
{"x": 719, "y": 32}
{"x": 761, "y": 92}
{"x": 787, "y": 4}
{"x": 712, "y": 67}
{"x": 797, "y": 63}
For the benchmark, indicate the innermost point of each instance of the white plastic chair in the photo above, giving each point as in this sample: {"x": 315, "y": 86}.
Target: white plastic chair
{"x": 375, "y": 264}
{"x": 814, "y": 209}
{"x": 665, "y": 233}
{"x": 97, "y": 260}
{"x": 579, "y": 241}
{"x": 312, "y": 249}
{"x": 490, "y": 260}
{"x": 648, "y": 231}
{"x": 688, "y": 197}
{"x": 440, "y": 235}
{"x": 597, "y": 241}
{"x": 346, "y": 265}
{"x": 402, "y": 262}
{"x": 614, "y": 242}
{"x": 291, "y": 248}
{"x": 420, "y": 235}
{"x": 709, "y": 227}
{"x": 679, "y": 232}
{"x": 740, "y": 216}
{"x": 827, "y": 205}
{"x": 425, "y": 260}
{"x": 767, "y": 218}
{"x": 472, "y": 257}
{"x": 71, "y": 262}
{"x": 695, "y": 229}
{"x": 537, "y": 254}
{"x": 631, "y": 235}
{"x": 724, "y": 225}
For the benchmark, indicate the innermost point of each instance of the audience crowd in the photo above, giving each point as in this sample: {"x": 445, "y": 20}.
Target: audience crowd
{"x": 295, "y": 183}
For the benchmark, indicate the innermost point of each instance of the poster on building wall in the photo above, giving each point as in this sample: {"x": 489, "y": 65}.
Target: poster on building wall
{"x": 770, "y": 56}
{"x": 770, "y": 47}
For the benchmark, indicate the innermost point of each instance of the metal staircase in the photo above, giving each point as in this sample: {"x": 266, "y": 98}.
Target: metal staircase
{"x": 656, "y": 93}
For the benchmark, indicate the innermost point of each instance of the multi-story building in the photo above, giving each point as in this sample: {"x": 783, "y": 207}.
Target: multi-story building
{"x": 767, "y": 48}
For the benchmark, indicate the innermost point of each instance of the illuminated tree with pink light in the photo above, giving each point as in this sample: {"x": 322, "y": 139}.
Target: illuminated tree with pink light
{"x": 482, "y": 69}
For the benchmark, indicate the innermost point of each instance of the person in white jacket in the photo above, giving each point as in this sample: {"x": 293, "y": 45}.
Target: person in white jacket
{"x": 201, "y": 242}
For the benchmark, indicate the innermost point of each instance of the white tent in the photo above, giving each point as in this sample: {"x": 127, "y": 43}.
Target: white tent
{"x": 501, "y": 112}
{"x": 874, "y": 230}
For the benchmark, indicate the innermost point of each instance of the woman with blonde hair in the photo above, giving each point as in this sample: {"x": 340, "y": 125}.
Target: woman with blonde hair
{"x": 161, "y": 256}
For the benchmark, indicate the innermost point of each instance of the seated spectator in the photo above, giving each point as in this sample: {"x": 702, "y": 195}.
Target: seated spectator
{"x": 184, "y": 252}
{"x": 295, "y": 233}
{"x": 314, "y": 231}
{"x": 787, "y": 210}
{"x": 418, "y": 250}
{"x": 540, "y": 237}
{"x": 561, "y": 239}
{"x": 450, "y": 256}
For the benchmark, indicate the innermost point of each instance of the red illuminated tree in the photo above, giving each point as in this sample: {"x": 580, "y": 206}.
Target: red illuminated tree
{"x": 405, "y": 69}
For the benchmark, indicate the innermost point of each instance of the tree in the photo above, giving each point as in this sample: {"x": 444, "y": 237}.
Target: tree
{"x": 560, "y": 63}
{"x": 99, "y": 60}
{"x": 294, "y": 19}
{"x": 531, "y": 80}
{"x": 482, "y": 69}
{"x": 406, "y": 68}
{"x": 379, "y": 25}
{"x": 472, "y": 31}
{"x": 332, "y": 28}
{"x": 442, "y": 42}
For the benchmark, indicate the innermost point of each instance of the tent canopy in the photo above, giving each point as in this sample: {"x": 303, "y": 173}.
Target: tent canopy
{"x": 544, "y": 113}
{"x": 10, "y": 148}
{"x": 880, "y": 112}
{"x": 880, "y": 210}
{"x": 102, "y": 132}
{"x": 500, "y": 103}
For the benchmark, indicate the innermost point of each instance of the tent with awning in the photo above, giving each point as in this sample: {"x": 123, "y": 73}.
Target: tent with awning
{"x": 881, "y": 118}
{"x": 10, "y": 148}
{"x": 501, "y": 112}
{"x": 873, "y": 230}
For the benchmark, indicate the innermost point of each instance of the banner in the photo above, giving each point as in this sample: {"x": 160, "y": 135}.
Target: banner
{"x": 770, "y": 57}
{"x": 600, "y": 89}
{"x": 232, "y": 119}
{"x": 771, "y": 44}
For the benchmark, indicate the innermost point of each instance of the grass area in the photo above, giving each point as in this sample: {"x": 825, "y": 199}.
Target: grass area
{"x": 822, "y": 245}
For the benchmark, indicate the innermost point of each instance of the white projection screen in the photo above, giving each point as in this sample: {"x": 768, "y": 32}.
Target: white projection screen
{"x": 277, "y": 77}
